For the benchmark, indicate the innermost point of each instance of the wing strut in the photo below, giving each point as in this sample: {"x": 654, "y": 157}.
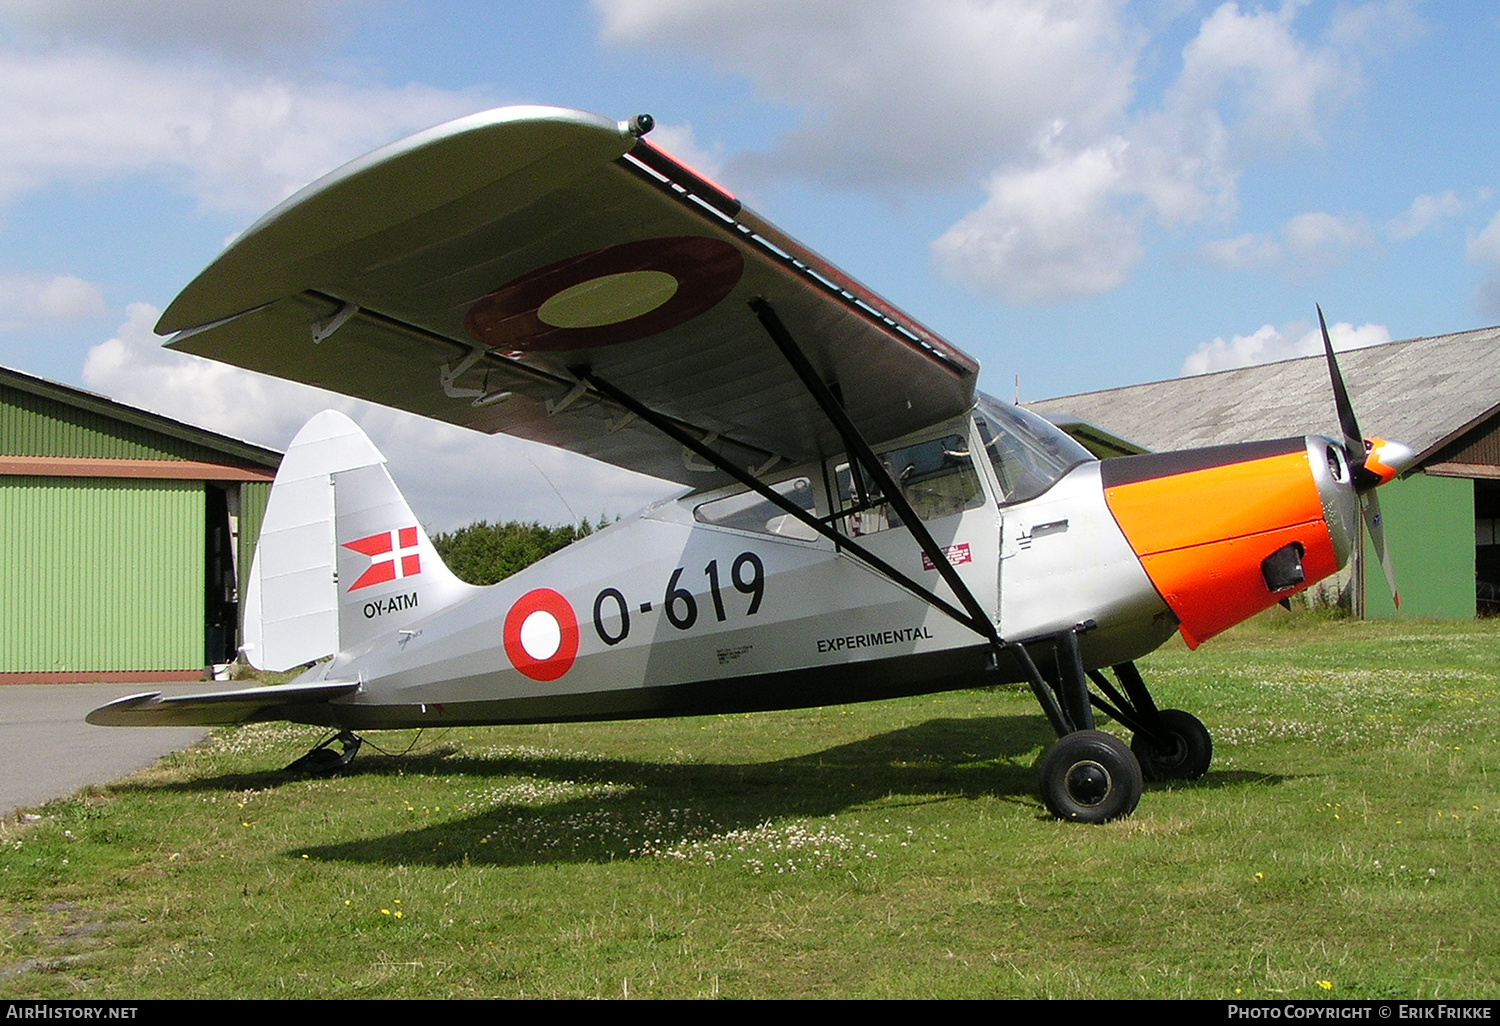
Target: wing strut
{"x": 860, "y": 451}
{"x": 672, "y": 429}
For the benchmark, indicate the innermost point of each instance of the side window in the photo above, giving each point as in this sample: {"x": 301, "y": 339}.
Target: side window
{"x": 747, "y": 511}
{"x": 937, "y": 478}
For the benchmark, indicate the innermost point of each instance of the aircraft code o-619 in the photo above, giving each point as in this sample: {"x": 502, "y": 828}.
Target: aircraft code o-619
{"x": 747, "y": 573}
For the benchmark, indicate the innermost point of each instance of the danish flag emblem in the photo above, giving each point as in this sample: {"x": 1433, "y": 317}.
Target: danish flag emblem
{"x": 393, "y": 554}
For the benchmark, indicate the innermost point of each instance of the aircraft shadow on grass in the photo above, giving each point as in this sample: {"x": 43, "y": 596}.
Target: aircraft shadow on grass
{"x": 614, "y": 809}
{"x": 609, "y": 809}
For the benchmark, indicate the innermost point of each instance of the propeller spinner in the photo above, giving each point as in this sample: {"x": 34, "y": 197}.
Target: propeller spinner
{"x": 1372, "y": 462}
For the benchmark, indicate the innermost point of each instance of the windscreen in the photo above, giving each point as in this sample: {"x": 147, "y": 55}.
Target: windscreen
{"x": 1029, "y": 454}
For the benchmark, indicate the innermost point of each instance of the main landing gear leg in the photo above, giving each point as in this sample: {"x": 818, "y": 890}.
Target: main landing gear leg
{"x": 1169, "y": 744}
{"x": 323, "y": 760}
{"x": 1088, "y": 776}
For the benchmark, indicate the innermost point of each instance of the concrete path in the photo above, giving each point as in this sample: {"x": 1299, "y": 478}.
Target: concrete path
{"x": 47, "y": 751}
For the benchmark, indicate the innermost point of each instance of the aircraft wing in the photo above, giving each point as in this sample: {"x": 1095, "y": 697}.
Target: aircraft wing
{"x": 214, "y": 708}
{"x": 467, "y": 272}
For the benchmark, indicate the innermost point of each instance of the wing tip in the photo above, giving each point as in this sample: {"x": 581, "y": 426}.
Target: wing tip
{"x": 112, "y": 714}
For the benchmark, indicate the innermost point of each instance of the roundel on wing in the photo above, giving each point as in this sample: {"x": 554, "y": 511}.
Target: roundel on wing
{"x": 541, "y": 635}
{"x": 612, "y": 295}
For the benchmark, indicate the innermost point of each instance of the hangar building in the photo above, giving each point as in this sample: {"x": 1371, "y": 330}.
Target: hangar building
{"x": 123, "y": 537}
{"x": 1440, "y": 395}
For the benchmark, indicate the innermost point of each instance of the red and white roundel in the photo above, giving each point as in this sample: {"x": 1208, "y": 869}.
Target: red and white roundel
{"x": 541, "y": 634}
{"x": 617, "y": 294}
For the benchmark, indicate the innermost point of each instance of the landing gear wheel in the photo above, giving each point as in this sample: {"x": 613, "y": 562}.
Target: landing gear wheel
{"x": 1089, "y": 776}
{"x": 1185, "y": 757}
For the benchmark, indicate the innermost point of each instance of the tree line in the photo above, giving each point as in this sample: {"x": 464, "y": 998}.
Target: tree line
{"x": 484, "y": 553}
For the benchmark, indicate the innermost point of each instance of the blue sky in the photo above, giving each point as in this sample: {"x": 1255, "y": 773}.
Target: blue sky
{"x": 1084, "y": 195}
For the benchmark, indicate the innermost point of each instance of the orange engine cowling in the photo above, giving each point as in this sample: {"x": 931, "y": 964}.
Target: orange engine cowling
{"x": 1227, "y": 531}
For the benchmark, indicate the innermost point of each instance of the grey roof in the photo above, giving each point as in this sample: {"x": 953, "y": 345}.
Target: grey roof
{"x": 1423, "y": 392}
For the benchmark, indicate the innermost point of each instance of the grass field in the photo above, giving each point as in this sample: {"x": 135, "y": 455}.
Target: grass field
{"x": 1343, "y": 845}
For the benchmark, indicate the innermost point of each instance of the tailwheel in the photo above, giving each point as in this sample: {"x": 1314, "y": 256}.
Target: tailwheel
{"x": 1185, "y": 754}
{"x": 323, "y": 760}
{"x": 1089, "y": 776}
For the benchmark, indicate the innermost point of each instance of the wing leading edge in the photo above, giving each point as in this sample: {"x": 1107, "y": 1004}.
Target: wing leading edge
{"x": 471, "y": 272}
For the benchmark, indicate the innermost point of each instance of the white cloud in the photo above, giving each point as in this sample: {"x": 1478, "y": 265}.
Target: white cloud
{"x": 1320, "y": 241}
{"x": 234, "y": 141}
{"x": 1307, "y": 245}
{"x": 1045, "y": 234}
{"x": 680, "y": 142}
{"x": 1270, "y": 344}
{"x": 897, "y": 94}
{"x": 239, "y": 30}
{"x": 29, "y": 299}
{"x": 1484, "y": 249}
{"x": 450, "y": 476}
{"x": 1425, "y": 211}
{"x": 1243, "y": 252}
{"x": 894, "y": 95}
{"x": 1250, "y": 70}
{"x": 1248, "y": 88}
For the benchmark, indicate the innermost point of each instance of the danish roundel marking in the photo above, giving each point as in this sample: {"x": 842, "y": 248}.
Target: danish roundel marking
{"x": 541, "y": 635}
{"x": 611, "y": 295}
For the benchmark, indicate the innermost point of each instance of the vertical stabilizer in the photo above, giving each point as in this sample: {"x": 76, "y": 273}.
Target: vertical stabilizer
{"x": 389, "y": 575}
{"x": 341, "y": 556}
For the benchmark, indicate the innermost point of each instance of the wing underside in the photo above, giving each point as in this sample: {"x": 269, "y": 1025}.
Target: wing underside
{"x": 471, "y": 273}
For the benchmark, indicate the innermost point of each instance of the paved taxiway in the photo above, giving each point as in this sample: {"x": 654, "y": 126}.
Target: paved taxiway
{"x": 47, "y": 751}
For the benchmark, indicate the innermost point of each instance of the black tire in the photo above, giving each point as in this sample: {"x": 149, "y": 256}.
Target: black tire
{"x": 1090, "y": 777}
{"x": 1186, "y": 757}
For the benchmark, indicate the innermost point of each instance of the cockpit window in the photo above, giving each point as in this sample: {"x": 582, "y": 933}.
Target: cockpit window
{"x": 1028, "y": 453}
{"x": 937, "y": 478}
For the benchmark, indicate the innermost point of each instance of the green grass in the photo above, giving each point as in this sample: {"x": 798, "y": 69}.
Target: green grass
{"x": 1344, "y": 845}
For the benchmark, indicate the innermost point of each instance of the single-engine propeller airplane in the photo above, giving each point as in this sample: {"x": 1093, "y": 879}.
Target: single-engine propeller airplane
{"x": 859, "y": 522}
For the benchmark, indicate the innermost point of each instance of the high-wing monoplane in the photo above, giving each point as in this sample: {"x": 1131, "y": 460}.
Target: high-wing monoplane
{"x": 858, "y": 522}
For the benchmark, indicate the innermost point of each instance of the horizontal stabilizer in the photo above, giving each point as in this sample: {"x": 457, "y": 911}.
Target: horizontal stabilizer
{"x": 217, "y": 707}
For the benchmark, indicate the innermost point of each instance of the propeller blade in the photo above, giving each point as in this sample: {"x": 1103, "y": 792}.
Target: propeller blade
{"x": 1370, "y": 505}
{"x": 1354, "y": 441}
{"x": 1372, "y": 463}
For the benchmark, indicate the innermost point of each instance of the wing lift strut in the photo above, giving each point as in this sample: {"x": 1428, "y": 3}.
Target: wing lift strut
{"x": 1063, "y": 694}
{"x": 1063, "y": 691}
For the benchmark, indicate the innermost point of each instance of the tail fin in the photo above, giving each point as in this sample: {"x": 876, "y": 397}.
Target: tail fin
{"x": 341, "y": 556}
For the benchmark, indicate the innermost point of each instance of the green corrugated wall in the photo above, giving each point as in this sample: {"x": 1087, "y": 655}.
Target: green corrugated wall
{"x": 253, "y": 498}
{"x": 1429, "y": 524}
{"x": 32, "y": 425}
{"x": 101, "y": 574}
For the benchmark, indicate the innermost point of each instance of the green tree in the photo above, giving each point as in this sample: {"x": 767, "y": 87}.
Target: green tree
{"x": 484, "y": 553}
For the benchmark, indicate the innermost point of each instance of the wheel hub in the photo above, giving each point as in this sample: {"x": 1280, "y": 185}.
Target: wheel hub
{"x": 1172, "y": 753}
{"x": 1088, "y": 783}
